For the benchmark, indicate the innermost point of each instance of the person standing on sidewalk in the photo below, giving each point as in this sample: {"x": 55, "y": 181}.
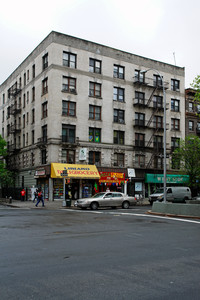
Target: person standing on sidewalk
{"x": 23, "y": 193}
{"x": 40, "y": 198}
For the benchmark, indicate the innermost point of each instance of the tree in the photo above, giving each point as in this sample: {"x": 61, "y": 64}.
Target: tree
{"x": 6, "y": 177}
{"x": 196, "y": 85}
{"x": 187, "y": 156}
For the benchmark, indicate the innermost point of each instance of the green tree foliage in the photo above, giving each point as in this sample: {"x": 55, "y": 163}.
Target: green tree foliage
{"x": 188, "y": 158}
{"x": 6, "y": 177}
{"x": 196, "y": 85}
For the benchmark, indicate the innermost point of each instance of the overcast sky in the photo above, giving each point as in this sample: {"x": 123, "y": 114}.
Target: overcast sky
{"x": 165, "y": 30}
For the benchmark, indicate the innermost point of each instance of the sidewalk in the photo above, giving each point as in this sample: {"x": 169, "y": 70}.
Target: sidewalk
{"x": 53, "y": 205}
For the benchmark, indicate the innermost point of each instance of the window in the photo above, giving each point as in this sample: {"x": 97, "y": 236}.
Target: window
{"x": 23, "y": 140}
{"x": 69, "y": 60}
{"x": 27, "y": 118}
{"x": 118, "y": 116}
{"x": 68, "y": 108}
{"x": 118, "y": 72}
{"x": 94, "y": 89}
{"x": 44, "y": 133}
{"x": 24, "y": 100}
{"x": 95, "y": 158}
{"x": 175, "y": 142}
{"x": 139, "y": 140}
{"x": 44, "y": 156}
{"x": 68, "y": 156}
{"x": 191, "y": 125}
{"x": 33, "y": 93}
{"x": 69, "y": 84}
{"x": 191, "y": 106}
{"x": 158, "y": 164}
{"x": 27, "y": 97}
{"x": 157, "y": 101}
{"x": 45, "y": 61}
{"x": 3, "y": 98}
{"x": 33, "y": 137}
{"x": 175, "y": 161}
{"x": 158, "y": 122}
{"x": 45, "y": 86}
{"x": 33, "y": 115}
{"x": 175, "y": 85}
{"x": 139, "y": 77}
{"x": 94, "y": 112}
{"x": 157, "y": 81}
{"x": 24, "y": 79}
{"x": 95, "y": 135}
{"x": 158, "y": 142}
{"x": 139, "y": 160}
{"x": 3, "y": 116}
{"x": 175, "y": 124}
{"x": 119, "y": 160}
{"x": 68, "y": 133}
{"x": 198, "y": 127}
{"x": 33, "y": 71}
{"x": 27, "y": 139}
{"x": 140, "y": 98}
{"x": 198, "y": 108}
{"x": 24, "y": 121}
{"x": 118, "y": 94}
{"x": 118, "y": 137}
{"x": 8, "y": 112}
{"x": 44, "y": 110}
{"x": 95, "y": 66}
{"x": 139, "y": 119}
{"x": 175, "y": 105}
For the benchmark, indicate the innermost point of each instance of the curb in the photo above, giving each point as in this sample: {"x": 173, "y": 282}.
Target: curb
{"x": 171, "y": 215}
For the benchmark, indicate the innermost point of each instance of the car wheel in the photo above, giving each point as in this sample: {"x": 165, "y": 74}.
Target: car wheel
{"x": 125, "y": 205}
{"x": 94, "y": 205}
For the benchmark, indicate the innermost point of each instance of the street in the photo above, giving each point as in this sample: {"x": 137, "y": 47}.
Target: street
{"x": 105, "y": 254}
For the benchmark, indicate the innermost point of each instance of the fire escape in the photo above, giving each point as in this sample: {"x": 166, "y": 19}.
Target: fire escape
{"x": 154, "y": 109}
{"x": 15, "y": 110}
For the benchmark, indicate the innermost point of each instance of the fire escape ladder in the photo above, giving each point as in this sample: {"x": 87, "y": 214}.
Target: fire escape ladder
{"x": 150, "y": 161}
{"x": 150, "y": 98}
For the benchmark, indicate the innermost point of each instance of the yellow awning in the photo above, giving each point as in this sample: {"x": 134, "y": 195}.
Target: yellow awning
{"x": 74, "y": 171}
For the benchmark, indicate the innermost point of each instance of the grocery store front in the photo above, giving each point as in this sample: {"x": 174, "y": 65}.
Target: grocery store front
{"x": 76, "y": 181}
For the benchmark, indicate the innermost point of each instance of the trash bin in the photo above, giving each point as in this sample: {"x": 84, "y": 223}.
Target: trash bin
{"x": 68, "y": 202}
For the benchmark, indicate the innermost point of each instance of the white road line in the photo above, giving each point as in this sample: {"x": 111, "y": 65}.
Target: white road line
{"x": 137, "y": 215}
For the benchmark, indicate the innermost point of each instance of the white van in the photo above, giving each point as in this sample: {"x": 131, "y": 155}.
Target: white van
{"x": 174, "y": 194}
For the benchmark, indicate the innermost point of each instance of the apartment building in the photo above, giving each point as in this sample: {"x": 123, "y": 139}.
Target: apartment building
{"x": 90, "y": 110}
{"x": 192, "y": 111}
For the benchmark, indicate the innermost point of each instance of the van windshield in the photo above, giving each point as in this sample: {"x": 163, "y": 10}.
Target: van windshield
{"x": 159, "y": 191}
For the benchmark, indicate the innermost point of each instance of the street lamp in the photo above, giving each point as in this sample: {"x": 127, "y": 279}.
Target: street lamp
{"x": 165, "y": 164}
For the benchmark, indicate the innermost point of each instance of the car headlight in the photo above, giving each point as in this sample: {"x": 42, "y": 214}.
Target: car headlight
{"x": 160, "y": 198}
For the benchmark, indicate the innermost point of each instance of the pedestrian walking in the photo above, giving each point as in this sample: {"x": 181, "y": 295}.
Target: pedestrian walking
{"x": 35, "y": 195}
{"x": 40, "y": 198}
{"x": 23, "y": 193}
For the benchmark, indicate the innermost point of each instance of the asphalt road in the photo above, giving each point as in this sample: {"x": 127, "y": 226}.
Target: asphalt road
{"x": 107, "y": 254}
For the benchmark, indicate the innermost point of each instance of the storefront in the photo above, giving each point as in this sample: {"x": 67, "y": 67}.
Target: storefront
{"x": 154, "y": 181}
{"x": 42, "y": 175}
{"x": 80, "y": 180}
{"x": 112, "y": 181}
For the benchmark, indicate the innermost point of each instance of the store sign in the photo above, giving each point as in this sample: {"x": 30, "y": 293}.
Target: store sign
{"x": 74, "y": 171}
{"x": 111, "y": 177}
{"x": 82, "y": 154}
{"x": 40, "y": 172}
{"x": 158, "y": 178}
{"x": 131, "y": 173}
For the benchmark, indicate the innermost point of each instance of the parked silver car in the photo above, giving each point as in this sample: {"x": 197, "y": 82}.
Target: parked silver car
{"x": 107, "y": 199}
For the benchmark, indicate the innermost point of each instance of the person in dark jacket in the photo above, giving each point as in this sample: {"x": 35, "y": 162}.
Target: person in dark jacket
{"x": 40, "y": 198}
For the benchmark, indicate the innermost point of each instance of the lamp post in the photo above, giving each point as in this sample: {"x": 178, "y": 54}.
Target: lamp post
{"x": 164, "y": 158}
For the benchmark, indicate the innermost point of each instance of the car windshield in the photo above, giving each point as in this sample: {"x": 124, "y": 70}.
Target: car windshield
{"x": 99, "y": 195}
